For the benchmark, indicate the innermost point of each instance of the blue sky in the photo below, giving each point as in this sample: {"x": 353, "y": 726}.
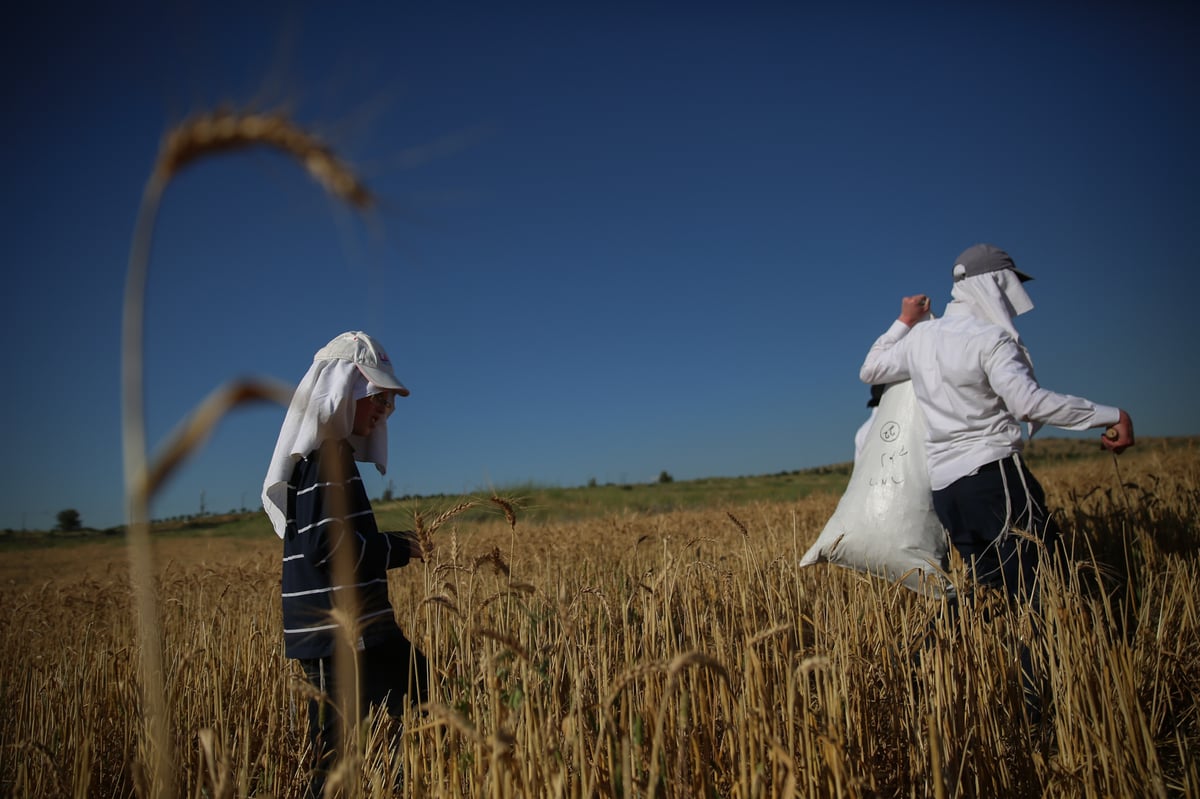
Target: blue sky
{"x": 611, "y": 241}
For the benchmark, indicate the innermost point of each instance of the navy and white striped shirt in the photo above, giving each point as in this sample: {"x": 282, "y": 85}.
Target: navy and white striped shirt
{"x": 328, "y": 510}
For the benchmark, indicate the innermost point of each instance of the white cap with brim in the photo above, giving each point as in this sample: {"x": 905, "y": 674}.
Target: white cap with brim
{"x": 368, "y": 355}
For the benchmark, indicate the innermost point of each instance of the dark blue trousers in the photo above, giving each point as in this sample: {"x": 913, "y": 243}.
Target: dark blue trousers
{"x": 980, "y": 510}
{"x": 390, "y": 675}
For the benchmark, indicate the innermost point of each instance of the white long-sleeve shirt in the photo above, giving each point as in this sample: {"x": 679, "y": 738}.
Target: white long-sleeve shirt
{"x": 974, "y": 386}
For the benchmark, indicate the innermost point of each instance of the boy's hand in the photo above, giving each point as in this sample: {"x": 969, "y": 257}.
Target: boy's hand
{"x": 413, "y": 543}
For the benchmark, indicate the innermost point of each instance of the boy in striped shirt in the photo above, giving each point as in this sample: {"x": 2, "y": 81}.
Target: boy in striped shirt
{"x": 335, "y": 559}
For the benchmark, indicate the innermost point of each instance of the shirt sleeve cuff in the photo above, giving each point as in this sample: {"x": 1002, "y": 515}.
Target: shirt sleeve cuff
{"x": 898, "y": 330}
{"x": 1107, "y": 415}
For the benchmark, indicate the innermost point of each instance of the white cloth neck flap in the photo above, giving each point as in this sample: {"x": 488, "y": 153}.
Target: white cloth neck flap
{"x": 322, "y": 409}
{"x": 997, "y": 297}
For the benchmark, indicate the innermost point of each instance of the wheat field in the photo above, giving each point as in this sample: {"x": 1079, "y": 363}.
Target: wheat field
{"x": 679, "y": 654}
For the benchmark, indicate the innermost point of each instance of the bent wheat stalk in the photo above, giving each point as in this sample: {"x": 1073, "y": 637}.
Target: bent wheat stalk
{"x": 196, "y": 138}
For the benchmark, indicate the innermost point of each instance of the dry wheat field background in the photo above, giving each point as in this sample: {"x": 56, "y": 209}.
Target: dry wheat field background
{"x": 679, "y": 654}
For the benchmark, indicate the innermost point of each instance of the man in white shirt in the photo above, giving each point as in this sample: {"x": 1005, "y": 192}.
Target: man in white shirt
{"x": 974, "y": 383}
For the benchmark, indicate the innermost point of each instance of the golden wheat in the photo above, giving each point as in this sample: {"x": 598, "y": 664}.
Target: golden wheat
{"x": 698, "y": 664}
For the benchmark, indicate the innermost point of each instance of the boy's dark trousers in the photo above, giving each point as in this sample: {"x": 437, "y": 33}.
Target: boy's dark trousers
{"x": 389, "y": 675}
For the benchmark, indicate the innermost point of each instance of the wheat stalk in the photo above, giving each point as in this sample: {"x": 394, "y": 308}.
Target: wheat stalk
{"x": 446, "y": 515}
{"x": 442, "y": 601}
{"x": 598, "y": 593}
{"x": 510, "y": 515}
{"x": 191, "y": 434}
{"x": 676, "y": 667}
{"x": 224, "y": 131}
{"x": 201, "y": 136}
{"x": 495, "y": 559}
{"x": 502, "y": 638}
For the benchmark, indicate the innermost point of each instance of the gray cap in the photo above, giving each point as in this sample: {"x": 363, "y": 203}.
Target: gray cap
{"x": 984, "y": 258}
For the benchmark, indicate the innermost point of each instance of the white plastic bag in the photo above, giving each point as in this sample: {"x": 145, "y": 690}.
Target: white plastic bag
{"x": 885, "y": 523}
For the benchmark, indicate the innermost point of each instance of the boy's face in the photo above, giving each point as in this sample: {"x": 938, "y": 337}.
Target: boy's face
{"x": 370, "y": 411}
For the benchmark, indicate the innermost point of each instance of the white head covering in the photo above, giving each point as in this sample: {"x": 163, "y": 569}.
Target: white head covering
{"x": 321, "y": 409}
{"x": 996, "y": 297}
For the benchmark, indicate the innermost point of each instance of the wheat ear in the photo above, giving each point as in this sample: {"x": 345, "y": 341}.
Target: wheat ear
{"x": 202, "y": 135}
{"x": 223, "y": 130}
{"x": 510, "y": 515}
